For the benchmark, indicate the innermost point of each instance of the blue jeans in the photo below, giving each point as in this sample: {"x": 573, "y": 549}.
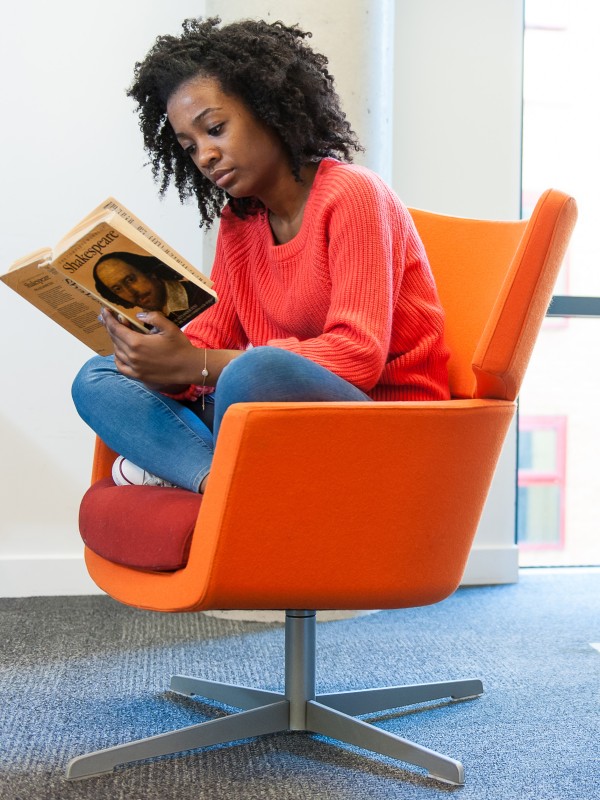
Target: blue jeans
{"x": 176, "y": 440}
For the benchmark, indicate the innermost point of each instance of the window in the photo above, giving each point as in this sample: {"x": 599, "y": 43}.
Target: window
{"x": 558, "y": 480}
{"x": 541, "y": 482}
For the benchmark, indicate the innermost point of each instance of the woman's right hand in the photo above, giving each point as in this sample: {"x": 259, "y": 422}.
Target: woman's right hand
{"x": 165, "y": 359}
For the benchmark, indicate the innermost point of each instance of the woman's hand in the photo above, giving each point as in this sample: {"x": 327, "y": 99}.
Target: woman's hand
{"x": 164, "y": 359}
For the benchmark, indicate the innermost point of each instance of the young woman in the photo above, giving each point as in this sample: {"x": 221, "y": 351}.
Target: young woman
{"x": 325, "y": 292}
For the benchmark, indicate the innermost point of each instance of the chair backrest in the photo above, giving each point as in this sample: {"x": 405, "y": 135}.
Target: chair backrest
{"x": 486, "y": 273}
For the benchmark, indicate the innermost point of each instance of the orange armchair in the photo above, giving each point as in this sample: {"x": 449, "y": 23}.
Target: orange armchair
{"x": 388, "y": 527}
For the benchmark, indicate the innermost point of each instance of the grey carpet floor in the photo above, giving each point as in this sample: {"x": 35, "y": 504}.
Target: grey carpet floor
{"x": 81, "y": 673}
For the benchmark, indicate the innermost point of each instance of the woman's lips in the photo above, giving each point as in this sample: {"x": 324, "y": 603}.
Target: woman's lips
{"x": 221, "y": 177}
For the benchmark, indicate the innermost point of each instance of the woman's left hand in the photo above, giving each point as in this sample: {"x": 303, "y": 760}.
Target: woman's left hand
{"x": 164, "y": 359}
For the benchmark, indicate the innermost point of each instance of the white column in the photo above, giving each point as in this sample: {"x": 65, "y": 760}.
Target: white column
{"x": 458, "y": 106}
{"x": 357, "y": 37}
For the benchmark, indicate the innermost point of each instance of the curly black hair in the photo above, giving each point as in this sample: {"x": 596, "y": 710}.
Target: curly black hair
{"x": 282, "y": 81}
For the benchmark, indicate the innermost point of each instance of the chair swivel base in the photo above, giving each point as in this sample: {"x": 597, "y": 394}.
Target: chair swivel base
{"x": 299, "y": 709}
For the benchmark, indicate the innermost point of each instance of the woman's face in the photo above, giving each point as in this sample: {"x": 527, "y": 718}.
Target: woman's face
{"x": 225, "y": 141}
{"x": 131, "y": 284}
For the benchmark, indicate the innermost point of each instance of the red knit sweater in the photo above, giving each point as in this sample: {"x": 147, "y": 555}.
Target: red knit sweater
{"x": 352, "y": 291}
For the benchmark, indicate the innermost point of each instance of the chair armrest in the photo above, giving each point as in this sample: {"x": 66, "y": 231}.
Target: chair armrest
{"x": 345, "y": 493}
{"x": 103, "y": 461}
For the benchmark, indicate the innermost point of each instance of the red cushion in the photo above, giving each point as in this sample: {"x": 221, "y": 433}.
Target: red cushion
{"x": 147, "y": 527}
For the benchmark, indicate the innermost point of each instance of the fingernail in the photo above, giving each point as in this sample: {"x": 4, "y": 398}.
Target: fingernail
{"x": 141, "y": 315}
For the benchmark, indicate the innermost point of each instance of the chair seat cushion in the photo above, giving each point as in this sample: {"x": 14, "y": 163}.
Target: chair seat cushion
{"x": 146, "y": 527}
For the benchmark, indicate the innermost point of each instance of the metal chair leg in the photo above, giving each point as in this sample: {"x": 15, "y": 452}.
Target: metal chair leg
{"x": 369, "y": 701}
{"x": 256, "y": 722}
{"x": 244, "y": 697}
{"x": 336, "y": 725}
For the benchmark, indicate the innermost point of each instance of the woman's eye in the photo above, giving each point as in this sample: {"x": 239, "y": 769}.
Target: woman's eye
{"x": 215, "y": 130}
{"x": 190, "y": 150}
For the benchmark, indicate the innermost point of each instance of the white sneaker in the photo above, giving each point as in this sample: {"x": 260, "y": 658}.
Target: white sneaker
{"x": 125, "y": 473}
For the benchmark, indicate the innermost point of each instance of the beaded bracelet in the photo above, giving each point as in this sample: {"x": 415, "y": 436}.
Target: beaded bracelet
{"x": 204, "y": 377}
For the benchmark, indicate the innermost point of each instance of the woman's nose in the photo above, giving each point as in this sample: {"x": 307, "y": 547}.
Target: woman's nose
{"x": 207, "y": 157}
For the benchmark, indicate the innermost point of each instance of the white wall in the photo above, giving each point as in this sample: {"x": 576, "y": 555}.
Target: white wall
{"x": 71, "y": 139}
{"x": 457, "y": 132}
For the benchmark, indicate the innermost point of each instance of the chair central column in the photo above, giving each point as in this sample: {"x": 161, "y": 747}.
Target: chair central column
{"x": 300, "y": 636}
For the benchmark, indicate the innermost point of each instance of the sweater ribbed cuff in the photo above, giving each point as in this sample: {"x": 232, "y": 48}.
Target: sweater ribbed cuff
{"x": 193, "y": 392}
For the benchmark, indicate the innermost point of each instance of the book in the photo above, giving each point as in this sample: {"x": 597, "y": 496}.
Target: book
{"x": 109, "y": 259}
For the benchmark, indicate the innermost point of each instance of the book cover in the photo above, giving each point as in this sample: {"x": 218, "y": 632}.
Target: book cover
{"x": 109, "y": 259}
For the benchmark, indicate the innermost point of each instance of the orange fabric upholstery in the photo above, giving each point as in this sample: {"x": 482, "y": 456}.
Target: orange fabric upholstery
{"x": 494, "y": 315}
{"x": 503, "y": 353}
{"x": 284, "y": 524}
{"x": 103, "y": 461}
{"x": 370, "y": 505}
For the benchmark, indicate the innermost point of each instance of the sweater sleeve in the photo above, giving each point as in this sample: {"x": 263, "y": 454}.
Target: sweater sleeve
{"x": 365, "y": 255}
